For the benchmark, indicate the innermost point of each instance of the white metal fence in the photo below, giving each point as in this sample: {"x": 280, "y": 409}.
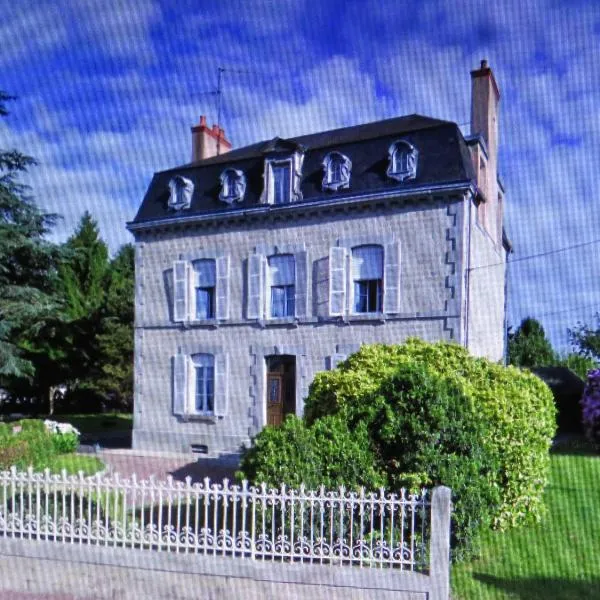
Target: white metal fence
{"x": 335, "y": 527}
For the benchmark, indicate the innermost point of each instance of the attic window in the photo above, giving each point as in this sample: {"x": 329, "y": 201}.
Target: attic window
{"x": 282, "y": 179}
{"x": 233, "y": 186}
{"x": 337, "y": 171}
{"x": 180, "y": 193}
{"x": 403, "y": 161}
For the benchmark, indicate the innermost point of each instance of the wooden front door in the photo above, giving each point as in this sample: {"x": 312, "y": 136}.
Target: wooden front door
{"x": 281, "y": 388}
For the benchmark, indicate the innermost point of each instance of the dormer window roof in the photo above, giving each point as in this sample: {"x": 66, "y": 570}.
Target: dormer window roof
{"x": 337, "y": 169}
{"x": 233, "y": 186}
{"x": 180, "y": 193}
{"x": 403, "y": 161}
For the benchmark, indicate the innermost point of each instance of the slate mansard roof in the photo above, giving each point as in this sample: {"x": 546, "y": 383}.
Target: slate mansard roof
{"x": 443, "y": 159}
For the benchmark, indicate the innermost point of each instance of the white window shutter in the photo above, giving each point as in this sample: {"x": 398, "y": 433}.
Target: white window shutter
{"x": 337, "y": 281}
{"x": 222, "y": 287}
{"x": 221, "y": 384}
{"x": 180, "y": 290}
{"x": 180, "y": 381}
{"x": 391, "y": 278}
{"x": 255, "y": 286}
{"x": 301, "y": 284}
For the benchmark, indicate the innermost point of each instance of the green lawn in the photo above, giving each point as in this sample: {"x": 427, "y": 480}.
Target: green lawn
{"x": 556, "y": 560}
{"x": 95, "y": 423}
{"x": 74, "y": 463}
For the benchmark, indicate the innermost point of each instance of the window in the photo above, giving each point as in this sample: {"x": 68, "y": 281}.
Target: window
{"x": 282, "y": 177}
{"x": 367, "y": 278}
{"x": 201, "y": 288}
{"x": 364, "y": 278}
{"x": 337, "y": 171}
{"x": 200, "y": 384}
{"x": 403, "y": 161}
{"x": 204, "y": 383}
{"x": 180, "y": 193}
{"x": 281, "y": 183}
{"x": 282, "y": 277}
{"x": 233, "y": 186}
{"x": 277, "y": 283}
{"x": 205, "y": 273}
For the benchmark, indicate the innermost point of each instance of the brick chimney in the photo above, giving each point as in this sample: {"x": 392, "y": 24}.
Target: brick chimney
{"x": 485, "y": 97}
{"x": 208, "y": 142}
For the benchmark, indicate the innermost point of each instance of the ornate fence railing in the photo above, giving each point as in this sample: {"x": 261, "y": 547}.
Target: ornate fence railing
{"x": 369, "y": 529}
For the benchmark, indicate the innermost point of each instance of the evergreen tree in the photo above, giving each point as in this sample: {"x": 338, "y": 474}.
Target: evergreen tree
{"x": 115, "y": 379}
{"x": 84, "y": 274}
{"x": 28, "y": 268}
{"x": 529, "y": 347}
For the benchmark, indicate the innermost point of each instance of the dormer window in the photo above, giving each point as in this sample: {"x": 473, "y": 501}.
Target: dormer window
{"x": 281, "y": 182}
{"x": 282, "y": 179}
{"x": 180, "y": 193}
{"x": 233, "y": 186}
{"x": 337, "y": 171}
{"x": 403, "y": 161}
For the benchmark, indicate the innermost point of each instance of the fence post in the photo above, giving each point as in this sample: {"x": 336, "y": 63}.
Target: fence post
{"x": 439, "y": 545}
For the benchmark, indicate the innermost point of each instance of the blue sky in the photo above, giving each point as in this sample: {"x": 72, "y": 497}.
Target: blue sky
{"x": 108, "y": 91}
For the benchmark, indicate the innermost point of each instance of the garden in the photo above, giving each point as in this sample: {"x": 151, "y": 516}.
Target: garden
{"x": 44, "y": 445}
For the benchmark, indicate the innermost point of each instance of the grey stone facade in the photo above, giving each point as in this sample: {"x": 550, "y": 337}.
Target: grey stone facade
{"x": 433, "y": 239}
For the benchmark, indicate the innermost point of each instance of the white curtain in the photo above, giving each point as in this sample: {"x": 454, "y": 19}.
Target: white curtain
{"x": 282, "y": 269}
{"x": 367, "y": 263}
{"x": 205, "y": 270}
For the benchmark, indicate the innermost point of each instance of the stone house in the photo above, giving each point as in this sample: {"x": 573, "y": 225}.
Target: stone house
{"x": 258, "y": 267}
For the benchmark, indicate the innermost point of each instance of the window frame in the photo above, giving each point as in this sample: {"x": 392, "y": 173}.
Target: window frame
{"x": 232, "y": 178}
{"x": 289, "y": 289}
{"x": 402, "y": 148}
{"x": 210, "y": 290}
{"x": 293, "y": 162}
{"x": 376, "y": 283}
{"x": 207, "y": 371}
{"x": 330, "y": 161}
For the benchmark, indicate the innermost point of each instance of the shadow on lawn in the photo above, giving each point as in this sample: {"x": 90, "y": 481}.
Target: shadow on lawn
{"x": 538, "y": 588}
{"x": 573, "y": 445}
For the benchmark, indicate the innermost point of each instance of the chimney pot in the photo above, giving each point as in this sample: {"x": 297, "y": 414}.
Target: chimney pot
{"x": 484, "y": 64}
{"x": 208, "y": 142}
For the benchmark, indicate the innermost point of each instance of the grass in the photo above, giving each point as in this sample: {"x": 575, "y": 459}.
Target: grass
{"x": 74, "y": 463}
{"x": 98, "y": 422}
{"x": 558, "y": 559}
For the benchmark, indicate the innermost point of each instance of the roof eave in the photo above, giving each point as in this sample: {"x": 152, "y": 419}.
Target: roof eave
{"x": 339, "y": 201}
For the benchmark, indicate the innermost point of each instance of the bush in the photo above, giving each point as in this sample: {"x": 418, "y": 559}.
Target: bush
{"x": 35, "y": 443}
{"x": 423, "y": 414}
{"x": 516, "y": 405}
{"x": 326, "y": 454}
{"x": 590, "y": 404}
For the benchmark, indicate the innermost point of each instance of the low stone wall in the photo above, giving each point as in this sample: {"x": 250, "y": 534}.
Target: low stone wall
{"x": 129, "y": 574}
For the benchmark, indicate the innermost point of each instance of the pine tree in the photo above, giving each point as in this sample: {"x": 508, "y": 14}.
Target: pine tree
{"x": 115, "y": 379}
{"x": 84, "y": 275}
{"x": 28, "y": 268}
{"x": 529, "y": 347}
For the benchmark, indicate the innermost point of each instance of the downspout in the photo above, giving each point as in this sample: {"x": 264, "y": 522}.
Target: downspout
{"x": 468, "y": 274}
{"x": 506, "y": 310}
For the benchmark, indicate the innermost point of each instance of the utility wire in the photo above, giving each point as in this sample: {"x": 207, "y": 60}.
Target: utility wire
{"x": 540, "y": 255}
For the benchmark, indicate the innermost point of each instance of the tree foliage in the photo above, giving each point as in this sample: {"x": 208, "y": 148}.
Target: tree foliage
{"x": 28, "y": 267}
{"x": 529, "y": 347}
{"x": 586, "y": 339}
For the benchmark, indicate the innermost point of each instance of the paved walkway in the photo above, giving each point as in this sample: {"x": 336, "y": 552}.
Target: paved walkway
{"x": 126, "y": 463}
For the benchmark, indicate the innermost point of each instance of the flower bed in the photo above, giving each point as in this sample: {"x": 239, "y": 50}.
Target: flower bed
{"x": 41, "y": 445}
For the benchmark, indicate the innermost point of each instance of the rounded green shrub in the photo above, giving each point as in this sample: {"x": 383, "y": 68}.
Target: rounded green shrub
{"x": 514, "y": 407}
